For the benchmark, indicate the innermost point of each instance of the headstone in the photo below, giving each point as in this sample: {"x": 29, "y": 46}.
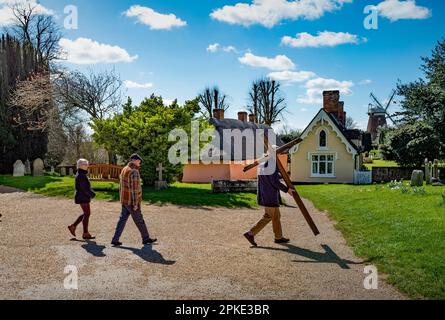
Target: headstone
{"x": 63, "y": 171}
{"x": 52, "y": 170}
{"x": 70, "y": 172}
{"x": 428, "y": 172}
{"x": 37, "y": 168}
{"x": 19, "y": 169}
{"x": 417, "y": 178}
{"x": 28, "y": 167}
{"x": 435, "y": 170}
{"x": 160, "y": 184}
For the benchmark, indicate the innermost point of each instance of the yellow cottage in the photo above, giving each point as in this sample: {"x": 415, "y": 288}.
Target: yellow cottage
{"x": 329, "y": 152}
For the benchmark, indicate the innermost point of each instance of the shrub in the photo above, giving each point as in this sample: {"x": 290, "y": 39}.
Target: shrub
{"x": 410, "y": 144}
{"x": 145, "y": 130}
{"x": 419, "y": 191}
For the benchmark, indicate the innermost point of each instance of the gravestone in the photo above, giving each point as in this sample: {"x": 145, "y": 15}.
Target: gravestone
{"x": 70, "y": 172}
{"x": 63, "y": 171}
{"x": 52, "y": 170}
{"x": 160, "y": 184}
{"x": 37, "y": 168}
{"x": 417, "y": 178}
{"x": 428, "y": 171}
{"x": 28, "y": 167}
{"x": 19, "y": 169}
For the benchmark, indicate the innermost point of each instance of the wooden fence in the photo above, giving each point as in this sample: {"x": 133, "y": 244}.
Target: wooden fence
{"x": 104, "y": 172}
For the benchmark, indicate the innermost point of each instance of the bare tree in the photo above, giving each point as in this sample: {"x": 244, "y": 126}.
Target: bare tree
{"x": 33, "y": 101}
{"x": 96, "y": 94}
{"x": 350, "y": 123}
{"x": 36, "y": 28}
{"x": 212, "y": 98}
{"x": 76, "y": 138}
{"x": 266, "y": 101}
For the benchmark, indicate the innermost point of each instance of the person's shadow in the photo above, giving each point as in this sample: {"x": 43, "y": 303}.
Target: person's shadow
{"x": 147, "y": 254}
{"x": 92, "y": 248}
{"x": 328, "y": 256}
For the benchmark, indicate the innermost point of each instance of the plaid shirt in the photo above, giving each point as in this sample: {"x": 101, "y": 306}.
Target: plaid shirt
{"x": 130, "y": 186}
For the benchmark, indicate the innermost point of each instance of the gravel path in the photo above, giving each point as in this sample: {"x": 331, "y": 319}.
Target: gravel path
{"x": 201, "y": 255}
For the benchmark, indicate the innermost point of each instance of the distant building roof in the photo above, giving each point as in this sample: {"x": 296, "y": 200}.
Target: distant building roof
{"x": 233, "y": 124}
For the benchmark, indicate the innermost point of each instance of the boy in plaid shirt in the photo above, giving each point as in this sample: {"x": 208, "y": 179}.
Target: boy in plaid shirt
{"x": 131, "y": 198}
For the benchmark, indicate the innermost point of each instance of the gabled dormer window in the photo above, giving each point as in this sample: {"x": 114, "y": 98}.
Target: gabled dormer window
{"x": 323, "y": 143}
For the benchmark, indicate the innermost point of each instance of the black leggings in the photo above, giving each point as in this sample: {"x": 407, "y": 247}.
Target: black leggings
{"x": 85, "y": 217}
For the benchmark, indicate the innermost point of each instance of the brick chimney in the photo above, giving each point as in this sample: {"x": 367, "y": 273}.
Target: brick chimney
{"x": 218, "y": 114}
{"x": 242, "y": 116}
{"x": 331, "y": 101}
{"x": 341, "y": 113}
{"x": 252, "y": 118}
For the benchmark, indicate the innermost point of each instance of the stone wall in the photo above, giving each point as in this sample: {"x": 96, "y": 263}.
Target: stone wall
{"x": 225, "y": 186}
{"x": 388, "y": 174}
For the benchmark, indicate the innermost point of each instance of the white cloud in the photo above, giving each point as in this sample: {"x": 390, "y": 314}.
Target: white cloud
{"x": 291, "y": 76}
{"x": 168, "y": 102}
{"x": 397, "y": 10}
{"x": 229, "y": 49}
{"x": 134, "y": 85}
{"x": 322, "y": 39}
{"x": 315, "y": 88}
{"x": 6, "y": 14}
{"x": 87, "y": 51}
{"x": 365, "y": 82}
{"x": 213, "y": 48}
{"x": 279, "y": 63}
{"x": 271, "y": 12}
{"x": 153, "y": 19}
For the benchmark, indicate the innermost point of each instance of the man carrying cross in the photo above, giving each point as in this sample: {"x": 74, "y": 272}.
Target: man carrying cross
{"x": 269, "y": 187}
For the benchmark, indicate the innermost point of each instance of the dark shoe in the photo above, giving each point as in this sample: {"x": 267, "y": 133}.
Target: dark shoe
{"x": 72, "y": 230}
{"x": 88, "y": 236}
{"x": 116, "y": 243}
{"x": 282, "y": 240}
{"x": 251, "y": 239}
{"x": 149, "y": 241}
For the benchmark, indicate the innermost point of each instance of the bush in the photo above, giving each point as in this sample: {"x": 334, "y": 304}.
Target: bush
{"x": 410, "y": 144}
{"x": 145, "y": 130}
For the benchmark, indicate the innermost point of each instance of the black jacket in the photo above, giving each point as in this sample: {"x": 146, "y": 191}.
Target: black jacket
{"x": 269, "y": 187}
{"x": 84, "y": 193}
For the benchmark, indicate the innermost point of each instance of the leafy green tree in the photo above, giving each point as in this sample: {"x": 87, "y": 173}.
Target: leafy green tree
{"x": 424, "y": 99}
{"x": 145, "y": 130}
{"x": 410, "y": 144}
{"x": 367, "y": 142}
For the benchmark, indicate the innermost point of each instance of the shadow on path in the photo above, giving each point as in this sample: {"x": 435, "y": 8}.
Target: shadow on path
{"x": 147, "y": 254}
{"x": 328, "y": 256}
{"x": 92, "y": 248}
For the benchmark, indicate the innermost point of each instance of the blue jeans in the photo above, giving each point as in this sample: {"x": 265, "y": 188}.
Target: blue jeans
{"x": 138, "y": 220}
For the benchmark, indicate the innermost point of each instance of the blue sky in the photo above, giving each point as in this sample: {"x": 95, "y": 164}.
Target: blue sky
{"x": 178, "y": 63}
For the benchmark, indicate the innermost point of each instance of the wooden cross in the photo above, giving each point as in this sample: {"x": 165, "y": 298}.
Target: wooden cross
{"x": 159, "y": 169}
{"x": 287, "y": 179}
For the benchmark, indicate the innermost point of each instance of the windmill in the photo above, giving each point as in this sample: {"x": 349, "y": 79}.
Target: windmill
{"x": 379, "y": 115}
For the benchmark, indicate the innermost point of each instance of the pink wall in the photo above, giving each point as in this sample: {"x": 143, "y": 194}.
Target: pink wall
{"x": 199, "y": 173}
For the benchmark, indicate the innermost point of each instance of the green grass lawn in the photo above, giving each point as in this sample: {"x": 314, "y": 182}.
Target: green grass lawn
{"x": 402, "y": 234}
{"x": 178, "y": 193}
{"x": 381, "y": 163}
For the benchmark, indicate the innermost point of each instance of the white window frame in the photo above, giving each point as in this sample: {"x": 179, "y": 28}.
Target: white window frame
{"x": 326, "y": 154}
